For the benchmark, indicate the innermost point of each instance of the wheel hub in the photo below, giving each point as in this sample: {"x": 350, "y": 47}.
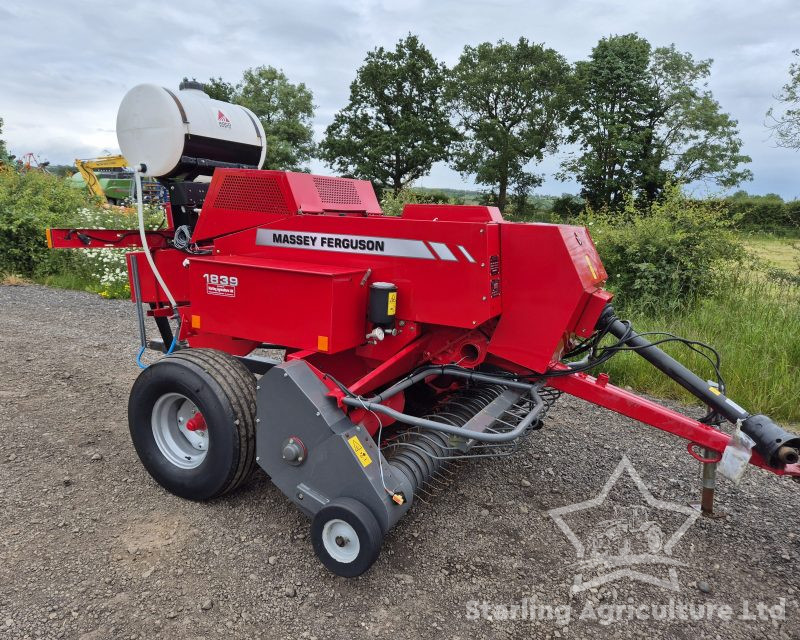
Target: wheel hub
{"x": 180, "y": 431}
{"x": 340, "y": 541}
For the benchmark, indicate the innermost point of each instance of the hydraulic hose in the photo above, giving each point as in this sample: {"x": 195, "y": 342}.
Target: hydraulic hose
{"x": 137, "y": 176}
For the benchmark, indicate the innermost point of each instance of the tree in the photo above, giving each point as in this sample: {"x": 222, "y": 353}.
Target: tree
{"x": 607, "y": 94}
{"x": 521, "y": 185}
{"x": 396, "y": 124}
{"x": 285, "y": 110}
{"x": 510, "y": 102}
{"x": 3, "y": 151}
{"x": 785, "y": 123}
{"x": 218, "y": 89}
{"x": 643, "y": 118}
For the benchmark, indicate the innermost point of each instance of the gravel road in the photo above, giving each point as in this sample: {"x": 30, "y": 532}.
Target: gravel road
{"x": 91, "y": 548}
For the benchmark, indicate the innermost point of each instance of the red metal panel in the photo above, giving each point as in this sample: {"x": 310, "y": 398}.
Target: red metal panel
{"x": 321, "y": 194}
{"x": 591, "y": 313}
{"x": 300, "y": 305}
{"x": 438, "y": 282}
{"x": 452, "y": 213}
{"x": 548, "y": 274}
{"x": 243, "y": 198}
{"x": 170, "y": 265}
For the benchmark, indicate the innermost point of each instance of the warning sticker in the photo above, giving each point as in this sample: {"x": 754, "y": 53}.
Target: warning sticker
{"x": 391, "y": 307}
{"x": 360, "y": 451}
{"x": 591, "y": 266}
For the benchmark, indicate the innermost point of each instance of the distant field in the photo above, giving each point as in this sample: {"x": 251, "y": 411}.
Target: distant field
{"x": 783, "y": 253}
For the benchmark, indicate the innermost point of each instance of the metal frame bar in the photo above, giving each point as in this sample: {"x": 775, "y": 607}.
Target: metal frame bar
{"x": 598, "y": 391}
{"x": 773, "y": 442}
{"x": 104, "y": 239}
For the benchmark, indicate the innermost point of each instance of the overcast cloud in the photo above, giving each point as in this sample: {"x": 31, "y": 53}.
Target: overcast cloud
{"x": 64, "y": 67}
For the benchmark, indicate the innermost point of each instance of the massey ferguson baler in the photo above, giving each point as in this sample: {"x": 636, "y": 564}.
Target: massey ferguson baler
{"x": 409, "y": 341}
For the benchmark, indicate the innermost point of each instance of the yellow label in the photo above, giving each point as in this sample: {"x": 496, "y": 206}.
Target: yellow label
{"x": 391, "y": 307}
{"x": 322, "y": 343}
{"x": 715, "y": 391}
{"x": 591, "y": 266}
{"x": 360, "y": 451}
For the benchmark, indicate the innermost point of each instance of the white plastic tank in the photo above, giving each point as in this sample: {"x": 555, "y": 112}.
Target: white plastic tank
{"x": 185, "y": 132}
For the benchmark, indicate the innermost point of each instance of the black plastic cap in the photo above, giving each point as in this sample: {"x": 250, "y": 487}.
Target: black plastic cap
{"x": 191, "y": 84}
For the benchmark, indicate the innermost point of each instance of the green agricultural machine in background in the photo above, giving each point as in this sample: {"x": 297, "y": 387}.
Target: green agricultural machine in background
{"x": 110, "y": 179}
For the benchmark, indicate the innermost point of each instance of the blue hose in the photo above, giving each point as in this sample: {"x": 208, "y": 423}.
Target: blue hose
{"x": 174, "y": 341}
{"x": 142, "y": 365}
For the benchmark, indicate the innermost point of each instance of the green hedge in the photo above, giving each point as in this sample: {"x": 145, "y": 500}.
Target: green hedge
{"x": 29, "y": 203}
{"x": 763, "y": 213}
{"x": 32, "y": 201}
{"x": 668, "y": 257}
{"x": 769, "y": 213}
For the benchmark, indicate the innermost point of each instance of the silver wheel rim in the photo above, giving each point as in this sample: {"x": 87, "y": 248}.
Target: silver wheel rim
{"x": 340, "y": 541}
{"x": 180, "y": 445}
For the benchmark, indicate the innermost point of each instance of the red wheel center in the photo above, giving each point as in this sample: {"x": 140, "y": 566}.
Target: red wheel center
{"x": 196, "y": 423}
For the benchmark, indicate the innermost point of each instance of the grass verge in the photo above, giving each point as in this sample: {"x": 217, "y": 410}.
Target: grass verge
{"x": 63, "y": 280}
{"x": 754, "y": 325}
{"x": 68, "y": 280}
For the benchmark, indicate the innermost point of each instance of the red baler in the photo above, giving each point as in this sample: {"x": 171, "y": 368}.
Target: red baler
{"x": 409, "y": 341}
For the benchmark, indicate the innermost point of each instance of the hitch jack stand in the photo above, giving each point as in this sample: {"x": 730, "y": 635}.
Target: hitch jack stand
{"x": 706, "y": 505}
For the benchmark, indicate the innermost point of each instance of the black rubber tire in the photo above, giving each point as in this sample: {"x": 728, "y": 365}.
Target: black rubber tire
{"x": 225, "y": 393}
{"x": 370, "y": 536}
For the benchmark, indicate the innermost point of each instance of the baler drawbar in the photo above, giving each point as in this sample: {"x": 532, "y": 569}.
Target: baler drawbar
{"x": 404, "y": 342}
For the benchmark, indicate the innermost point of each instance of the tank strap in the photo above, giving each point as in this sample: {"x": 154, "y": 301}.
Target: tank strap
{"x": 255, "y": 126}
{"x": 180, "y": 106}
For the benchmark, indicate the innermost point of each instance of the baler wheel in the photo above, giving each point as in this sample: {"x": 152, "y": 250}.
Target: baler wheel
{"x": 192, "y": 421}
{"x": 346, "y": 537}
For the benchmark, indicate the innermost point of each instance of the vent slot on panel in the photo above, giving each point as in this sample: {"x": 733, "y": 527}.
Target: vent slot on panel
{"x": 259, "y": 193}
{"x": 333, "y": 191}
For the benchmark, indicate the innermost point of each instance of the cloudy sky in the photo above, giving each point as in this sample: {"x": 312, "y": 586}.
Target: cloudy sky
{"x": 65, "y": 66}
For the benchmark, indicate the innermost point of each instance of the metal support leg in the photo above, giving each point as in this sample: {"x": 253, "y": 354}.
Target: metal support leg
{"x": 164, "y": 329}
{"x": 137, "y": 292}
{"x": 706, "y": 506}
